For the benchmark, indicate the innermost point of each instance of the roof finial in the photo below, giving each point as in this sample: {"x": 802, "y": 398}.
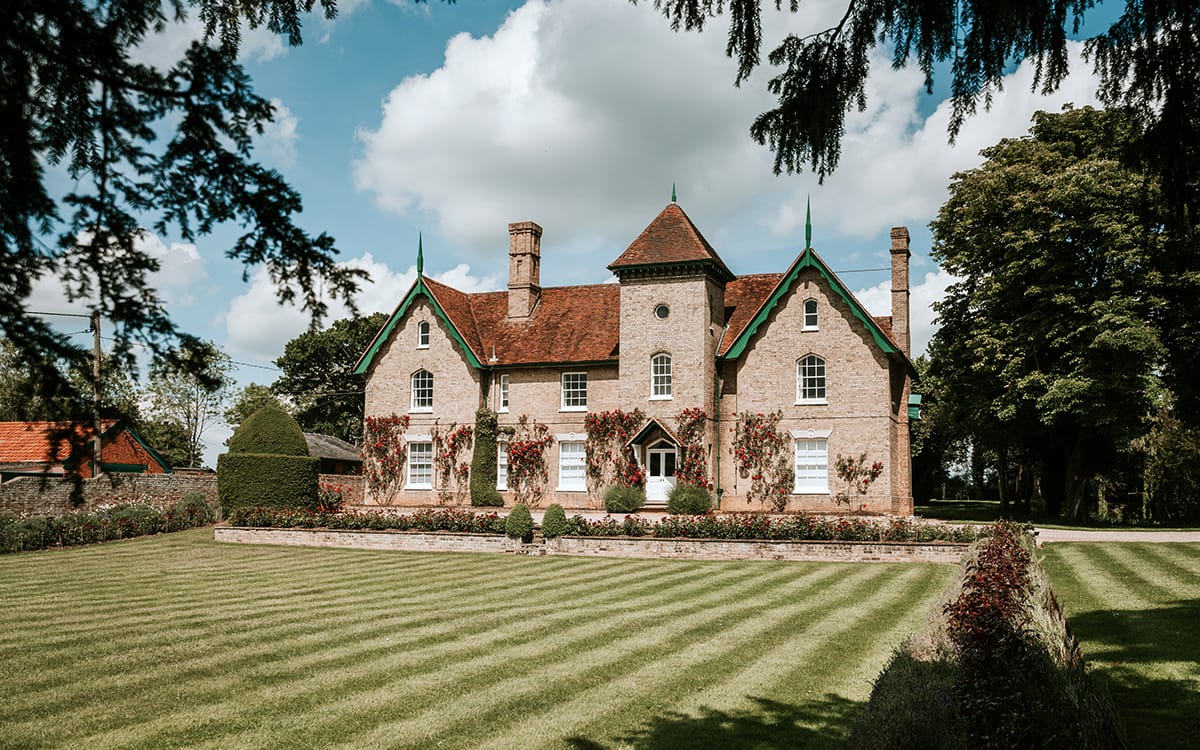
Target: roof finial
{"x": 420, "y": 254}
{"x": 673, "y": 192}
{"x": 808, "y": 225}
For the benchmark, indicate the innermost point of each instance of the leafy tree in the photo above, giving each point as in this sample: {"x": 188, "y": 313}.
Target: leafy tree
{"x": 251, "y": 398}
{"x": 177, "y": 396}
{"x": 169, "y": 439}
{"x": 142, "y": 148}
{"x": 1048, "y": 345}
{"x": 318, "y": 376}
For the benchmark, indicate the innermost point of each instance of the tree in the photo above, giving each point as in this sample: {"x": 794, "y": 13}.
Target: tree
{"x": 143, "y": 148}
{"x": 251, "y": 398}
{"x": 318, "y": 376}
{"x": 1048, "y": 345}
{"x": 177, "y": 396}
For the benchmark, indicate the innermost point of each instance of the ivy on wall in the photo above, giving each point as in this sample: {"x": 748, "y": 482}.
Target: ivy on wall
{"x": 527, "y": 473}
{"x": 609, "y": 461}
{"x": 759, "y": 449}
{"x": 858, "y": 477}
{"x": 452, "y": 473}
{"x": 693, "y": 465}
{"x": 385, "y": 453}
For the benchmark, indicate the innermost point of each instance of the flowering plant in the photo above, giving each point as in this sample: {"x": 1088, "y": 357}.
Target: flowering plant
{"x": 330, "y": 497}
{"x": 527, "y": 473}
{"x": 384, "y": 452}
{"x": 858, "y": 478}
{"x": 451, "y": 472}
{"x": 609, "y": 460}
{"x": 758, "y": 449}
{"x": 693, "y": 466}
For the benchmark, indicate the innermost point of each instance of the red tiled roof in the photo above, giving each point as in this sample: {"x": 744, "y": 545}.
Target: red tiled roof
{"x": 743, "y": 297}
{"x": 31, "y": 441}
{"x": 670, "y": 238}
{"x": 569, "y": 324}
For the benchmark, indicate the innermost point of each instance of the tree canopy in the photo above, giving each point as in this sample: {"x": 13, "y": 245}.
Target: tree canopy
{"x": 1048, "y": 345}
{"x": 144, "y": 149}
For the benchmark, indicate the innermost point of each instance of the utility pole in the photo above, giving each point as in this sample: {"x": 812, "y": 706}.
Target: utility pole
{"x": 97, "y": 441}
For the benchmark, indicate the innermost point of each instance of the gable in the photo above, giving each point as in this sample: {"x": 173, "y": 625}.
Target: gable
{"x": 749, "y": 324}
{"x": 422, "y": 288}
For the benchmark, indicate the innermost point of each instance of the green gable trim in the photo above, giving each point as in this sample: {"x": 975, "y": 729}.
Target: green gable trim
{"x": 166, "y": 467}
{"x": 418, "y": 289}
{"x": 809, "y": 259}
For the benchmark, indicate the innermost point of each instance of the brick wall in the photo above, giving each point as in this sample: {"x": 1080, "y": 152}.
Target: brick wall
{"x": 353, "y": 486}
{"x": 31, "y": 496}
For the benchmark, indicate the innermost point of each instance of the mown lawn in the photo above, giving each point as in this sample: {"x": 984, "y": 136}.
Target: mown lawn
{"x": 1136, "y": 609}
{"x": 178, "y": 641}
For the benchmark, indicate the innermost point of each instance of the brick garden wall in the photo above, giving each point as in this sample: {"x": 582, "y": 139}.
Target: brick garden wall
{"x": 31, "y": 496}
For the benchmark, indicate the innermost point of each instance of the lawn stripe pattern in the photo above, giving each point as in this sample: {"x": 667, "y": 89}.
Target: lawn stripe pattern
{"x": 178, "y": 641}
{"x": 1136, "y": 609}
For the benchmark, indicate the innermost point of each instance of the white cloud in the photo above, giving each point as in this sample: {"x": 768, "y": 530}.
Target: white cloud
{"x": 164, "y": 49}
{"x": 921, "y": 317}
{"x": 258, "y": 327}
{"x": 279, "y": 136}
{"x": 549, "y": 119}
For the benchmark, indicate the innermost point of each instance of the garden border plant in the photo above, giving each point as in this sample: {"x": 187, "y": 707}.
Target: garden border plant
{"x": 122, "y": 521}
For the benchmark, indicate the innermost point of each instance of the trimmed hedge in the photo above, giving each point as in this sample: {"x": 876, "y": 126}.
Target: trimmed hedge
{"x": 519, "y": 524}
{"x": 624, "y": 499}
{"x": 554, "y": 522}
{"x": 688, "y": 499}
{"x": 123, "y": 521}
{"x": 483, "y": 461}
{"x": 269, "y": 430}
{"x": 247, "y": 480}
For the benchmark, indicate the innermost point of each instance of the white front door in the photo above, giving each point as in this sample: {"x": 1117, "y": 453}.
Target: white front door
{"x": 660, "y": 473}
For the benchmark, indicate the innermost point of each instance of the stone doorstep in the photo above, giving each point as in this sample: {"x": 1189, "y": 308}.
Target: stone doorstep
{"x": 629, "y": 547}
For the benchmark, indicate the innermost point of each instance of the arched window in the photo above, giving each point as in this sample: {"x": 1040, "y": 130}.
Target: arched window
{"x": 422, "y": 390}
{"x": 810, "y": 315}
{"x": 660, "y": 376}
{"x": 423, "y": 335}
{"x": 810, "y": 379}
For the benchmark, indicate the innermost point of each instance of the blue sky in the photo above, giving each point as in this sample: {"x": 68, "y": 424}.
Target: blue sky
{"x": 453, "y": 120}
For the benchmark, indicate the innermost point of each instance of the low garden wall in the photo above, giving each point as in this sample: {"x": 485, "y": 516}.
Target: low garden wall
{"x": 641, "y": 547}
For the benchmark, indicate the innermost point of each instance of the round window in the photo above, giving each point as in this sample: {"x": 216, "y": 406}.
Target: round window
{"x": 662, "y": 311}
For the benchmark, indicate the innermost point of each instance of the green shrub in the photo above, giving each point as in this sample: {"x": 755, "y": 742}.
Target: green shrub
{"x": 269, "y": 430}
{"x": 623, "y": 499}
{"x": 483, "y": 461}
{"x": 519, "y": 524}
{"x": 192, "y": 510}
{"x": 688, "y": 500}
{"x": 268, "y": 480}
{"x": 554, "y": 523}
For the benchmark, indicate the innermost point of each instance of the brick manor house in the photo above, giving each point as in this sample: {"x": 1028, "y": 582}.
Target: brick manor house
{"x": 680, "y": 331}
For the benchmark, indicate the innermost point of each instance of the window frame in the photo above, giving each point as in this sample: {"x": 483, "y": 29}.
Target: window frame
{"x": 502, "y": 465}
{"x": 805, "y": 312}
{"x": 423, "y": 334}
{"x": 425, "y": 466}
{"x": 811, "y": 477}
{"x": 578, "y": 378}
{"x": 578, "y": 464}
{"x": 502, "y": 394}
{"x": 415, "y": 405}
{"x": 804, "y": 378}
{"x": 667, "y": 394}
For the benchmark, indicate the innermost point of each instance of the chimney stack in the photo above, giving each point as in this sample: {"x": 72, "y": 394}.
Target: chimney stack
{"x": 900, "y": 255}
{"x": 524, "y": 268}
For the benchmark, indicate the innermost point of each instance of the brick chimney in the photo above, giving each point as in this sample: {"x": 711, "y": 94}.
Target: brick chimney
{"x": 900, "y": 292}
{"x": 524, "y": 268}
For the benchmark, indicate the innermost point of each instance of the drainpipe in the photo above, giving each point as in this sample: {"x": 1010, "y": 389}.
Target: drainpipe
{"x": 717, "y": 447}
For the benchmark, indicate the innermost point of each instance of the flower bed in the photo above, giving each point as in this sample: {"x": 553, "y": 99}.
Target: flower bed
{"x": 104, "y": 524}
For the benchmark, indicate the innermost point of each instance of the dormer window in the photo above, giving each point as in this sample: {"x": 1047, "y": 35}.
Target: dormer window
{"x": 423, "y": 335}
{"x": 810, "y": 315}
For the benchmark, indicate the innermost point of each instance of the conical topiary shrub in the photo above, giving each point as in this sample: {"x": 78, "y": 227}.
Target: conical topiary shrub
{"x": 554, "y": 522}
{"x": 267, "y": 465}
{"x": 519, "y": 524}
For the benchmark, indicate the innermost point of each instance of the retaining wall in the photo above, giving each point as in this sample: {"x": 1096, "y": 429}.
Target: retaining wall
{"x": 641, "y": 547}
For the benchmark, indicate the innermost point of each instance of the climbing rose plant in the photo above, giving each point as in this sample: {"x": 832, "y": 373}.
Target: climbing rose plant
{"x": 527, "y": 473}
{"x": 609, "y": 460}
{"x": 759, "y": 449}
{"x": 384, "y": 453}
{"x": 693, "y": 466}
{"x": 858, "y": 478}
{"x": 452, "y": 473}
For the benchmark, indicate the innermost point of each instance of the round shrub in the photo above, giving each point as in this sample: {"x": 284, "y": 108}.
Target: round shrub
{"x": 554, "y": 523}
{"x": 688, "y": 499}
{"x": 519, "y": 524}
{"x": 623, "y": 499}
{"x": 269, "y": 430}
